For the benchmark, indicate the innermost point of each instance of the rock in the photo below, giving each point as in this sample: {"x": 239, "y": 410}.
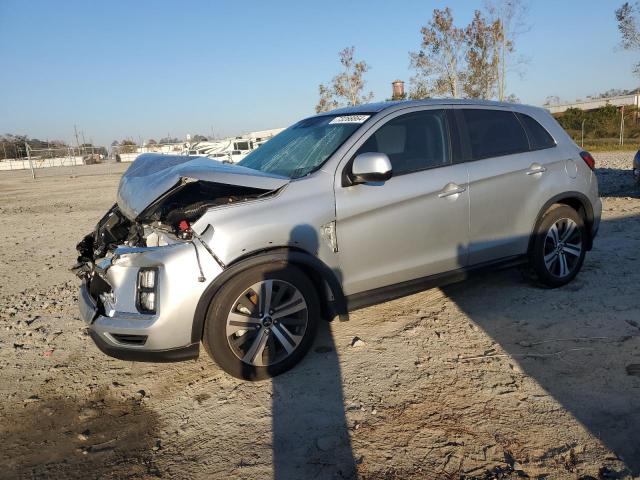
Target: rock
{"x": 357, "y": 342}
{"x": 103, "y": 447}
{"x": 353, "y": 406}
{"x": 515, "y": 367}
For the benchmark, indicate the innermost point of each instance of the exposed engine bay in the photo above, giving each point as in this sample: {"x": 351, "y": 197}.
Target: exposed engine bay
{"x": 165, "y": 221}
{"x": 191, "y": 199}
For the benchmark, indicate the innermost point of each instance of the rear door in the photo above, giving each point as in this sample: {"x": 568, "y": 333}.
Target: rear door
{"x": 506, "y": 182}
{"x": 415, "y": 224}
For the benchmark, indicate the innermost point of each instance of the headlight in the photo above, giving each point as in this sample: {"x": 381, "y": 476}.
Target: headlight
{"x": 147, "y": 290}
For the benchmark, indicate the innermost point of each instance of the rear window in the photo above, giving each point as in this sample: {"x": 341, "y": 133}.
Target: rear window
{"x": 493, "y": 133}
{"x": 539, "y": 138}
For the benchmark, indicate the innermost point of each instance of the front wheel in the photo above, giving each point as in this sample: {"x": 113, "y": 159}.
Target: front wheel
{"x": 262, "y": 321}
{"x": 558, "y": 247}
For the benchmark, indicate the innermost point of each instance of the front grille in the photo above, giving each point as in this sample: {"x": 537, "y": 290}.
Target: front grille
{"x": 130, "y": 339}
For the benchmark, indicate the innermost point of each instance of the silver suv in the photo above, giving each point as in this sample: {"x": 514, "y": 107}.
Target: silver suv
{"x": 341, "y": 210}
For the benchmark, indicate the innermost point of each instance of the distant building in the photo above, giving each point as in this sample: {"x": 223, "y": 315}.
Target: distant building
{"x": 619, "y": 101}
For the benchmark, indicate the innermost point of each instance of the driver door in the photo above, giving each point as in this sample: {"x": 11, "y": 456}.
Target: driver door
{"x": 415, "y": 224}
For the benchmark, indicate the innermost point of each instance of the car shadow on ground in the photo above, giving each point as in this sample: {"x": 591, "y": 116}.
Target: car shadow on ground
{"x": 310, "y": 436}
{"x": 617, "y": 183}
{"x": 309, "y": 426}
{"x": 310, "y": 432}
{"x": 573, "y": 352}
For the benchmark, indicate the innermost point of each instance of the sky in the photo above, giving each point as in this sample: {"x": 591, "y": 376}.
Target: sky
{"x": 147, "y": 69}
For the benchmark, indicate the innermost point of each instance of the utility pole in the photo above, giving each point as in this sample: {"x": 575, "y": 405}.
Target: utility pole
{"x": 75, "y": 131}
{"x": 582, "y": 144}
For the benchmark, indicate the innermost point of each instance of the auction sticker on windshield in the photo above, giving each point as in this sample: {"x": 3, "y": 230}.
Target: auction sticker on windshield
{"x": 350, "y": 119}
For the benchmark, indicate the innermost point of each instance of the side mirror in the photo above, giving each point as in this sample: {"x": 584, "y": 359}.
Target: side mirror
{"x": 370, "y": 167}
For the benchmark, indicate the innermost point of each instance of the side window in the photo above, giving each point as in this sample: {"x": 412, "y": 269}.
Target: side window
{"x": 412, "y": 142}
{"x": 493, "y": 133}
{"x": 539, "y": 138}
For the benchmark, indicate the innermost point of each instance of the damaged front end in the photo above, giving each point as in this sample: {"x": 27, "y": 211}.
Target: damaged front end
{"x": 144, "y": 268}
{"x": 166, "y": 221}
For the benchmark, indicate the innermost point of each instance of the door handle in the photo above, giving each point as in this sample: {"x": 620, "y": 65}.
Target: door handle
{"x": 451, "y": 189}
{"x": 536, "y": 169}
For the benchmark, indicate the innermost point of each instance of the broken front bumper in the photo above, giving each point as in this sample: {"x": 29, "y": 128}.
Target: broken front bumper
{"x": 117, "y": 326}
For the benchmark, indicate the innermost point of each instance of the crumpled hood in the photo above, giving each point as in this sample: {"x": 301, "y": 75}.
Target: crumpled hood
{"x": 151, "y": 175}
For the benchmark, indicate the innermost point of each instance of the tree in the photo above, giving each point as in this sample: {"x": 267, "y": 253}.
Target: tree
{"x": 127, "y": 146}
{"x": 346, "y": 87}
{"x": 439, "y": 62}
{"x": 327, "y": 99}
{"x": 512, "y": 16}
{"x": 627, "y": 17}
{"x": 13, "y": 145}
{"x": 198, "y": 138}
{"x": 482, "y": 39}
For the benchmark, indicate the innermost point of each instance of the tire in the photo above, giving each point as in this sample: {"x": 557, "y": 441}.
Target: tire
{"x": 556, "y": 258}
{"x": 251, "y": 346}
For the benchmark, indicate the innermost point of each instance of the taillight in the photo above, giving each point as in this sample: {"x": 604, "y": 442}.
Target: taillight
{"x": 588, "y": 159}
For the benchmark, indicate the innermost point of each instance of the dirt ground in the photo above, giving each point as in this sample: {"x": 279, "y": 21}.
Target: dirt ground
{"x": 490, "y": 378}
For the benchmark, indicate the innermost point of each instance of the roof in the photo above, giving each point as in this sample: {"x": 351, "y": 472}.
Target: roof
{"x": 380, "y": 106}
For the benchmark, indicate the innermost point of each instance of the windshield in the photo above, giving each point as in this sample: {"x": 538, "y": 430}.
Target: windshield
{"x": 303, "y": 147}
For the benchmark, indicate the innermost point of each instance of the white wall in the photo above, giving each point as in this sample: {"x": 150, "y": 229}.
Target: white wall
{"x": 23, "y": 163}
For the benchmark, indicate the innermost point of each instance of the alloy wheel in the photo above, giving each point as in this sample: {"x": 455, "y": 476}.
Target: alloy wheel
{"x": 562, "y": 248}
{"x": 267, "y": 322}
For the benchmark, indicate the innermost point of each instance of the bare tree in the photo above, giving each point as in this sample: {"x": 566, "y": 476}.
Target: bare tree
{"x": 627, "y": 17}
{"x": 347, "y": 86}
{"x": 482, "y": 55}
{"x": 327, "y": 100}
{"x": 512, "y": 17}
{"x": 439, "y": 62}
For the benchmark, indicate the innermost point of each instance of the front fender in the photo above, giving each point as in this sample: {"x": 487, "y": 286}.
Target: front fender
{"x": 279, "y": 255}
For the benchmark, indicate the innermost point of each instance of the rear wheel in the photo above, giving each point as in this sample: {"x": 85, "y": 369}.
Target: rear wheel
{"x": 262, "y": 321}
{"x": 559, "y": 247}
